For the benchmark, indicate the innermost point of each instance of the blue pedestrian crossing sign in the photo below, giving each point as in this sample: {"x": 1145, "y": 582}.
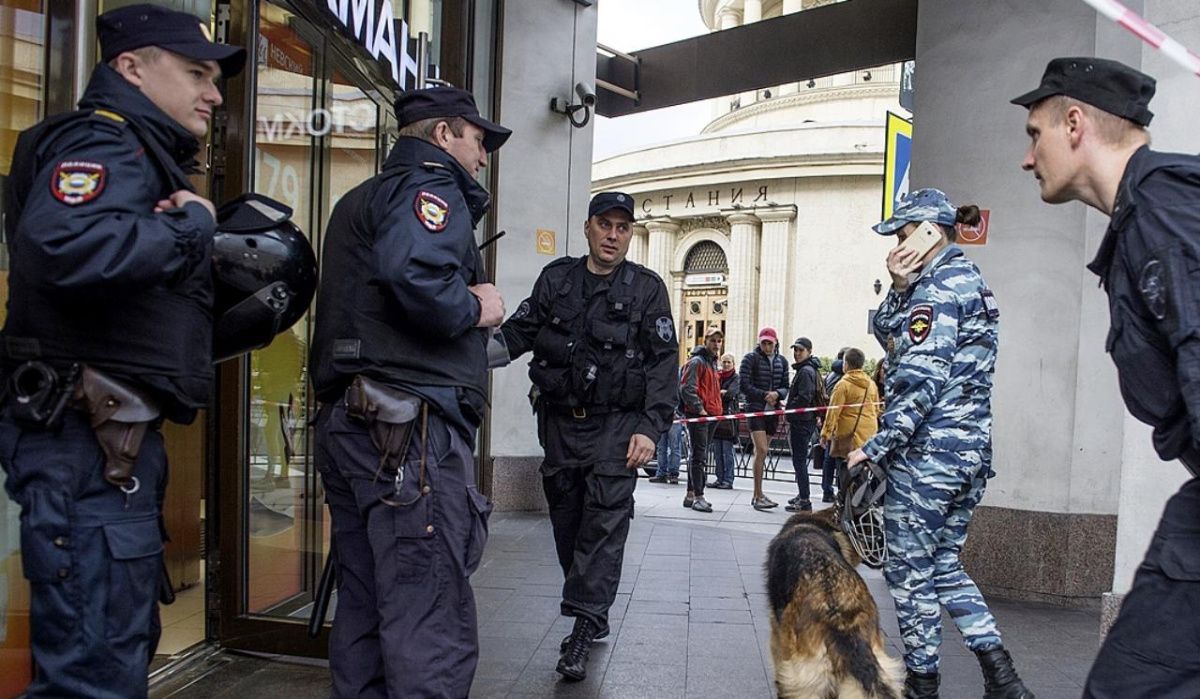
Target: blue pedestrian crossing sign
{"x": 897, "y": 156}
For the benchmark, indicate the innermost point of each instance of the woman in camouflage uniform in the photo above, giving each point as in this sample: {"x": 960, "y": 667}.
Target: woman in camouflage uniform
{"x": 939, "y": 325}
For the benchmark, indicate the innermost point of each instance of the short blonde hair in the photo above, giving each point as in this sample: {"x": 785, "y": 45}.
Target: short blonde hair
{"x": 1112, "y": 129}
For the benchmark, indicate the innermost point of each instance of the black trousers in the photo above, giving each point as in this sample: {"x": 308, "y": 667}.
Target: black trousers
{"x": 700, "y": 435}
{"x": 799, "y": 439}
{"x": 1153, "y": 649}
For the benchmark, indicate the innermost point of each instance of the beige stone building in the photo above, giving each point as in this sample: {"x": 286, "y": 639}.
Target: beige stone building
{"x": 763, "y": 218}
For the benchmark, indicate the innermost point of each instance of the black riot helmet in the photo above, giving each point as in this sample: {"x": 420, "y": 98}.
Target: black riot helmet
{"x": 264, "y": 274}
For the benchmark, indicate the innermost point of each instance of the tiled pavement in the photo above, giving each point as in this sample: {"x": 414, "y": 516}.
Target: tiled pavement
{"x": 690, "y": 618}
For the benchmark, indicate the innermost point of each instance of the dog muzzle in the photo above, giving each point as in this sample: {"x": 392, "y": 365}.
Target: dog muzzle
{"x": 862, "y": 512}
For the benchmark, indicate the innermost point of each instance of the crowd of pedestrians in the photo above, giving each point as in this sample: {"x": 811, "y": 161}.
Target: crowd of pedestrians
{"x": 833, "y": 417}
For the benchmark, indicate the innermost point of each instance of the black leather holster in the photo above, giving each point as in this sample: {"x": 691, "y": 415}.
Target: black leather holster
{"x": 119, "y": 415}
{"x": 390, "y": 415}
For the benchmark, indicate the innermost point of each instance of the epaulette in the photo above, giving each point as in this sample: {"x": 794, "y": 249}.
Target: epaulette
{"x": 432, "y": 166}
{"x": 109, "y": 119}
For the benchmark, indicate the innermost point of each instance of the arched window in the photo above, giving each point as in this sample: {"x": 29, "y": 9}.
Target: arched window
{"x": 705, "y": 256}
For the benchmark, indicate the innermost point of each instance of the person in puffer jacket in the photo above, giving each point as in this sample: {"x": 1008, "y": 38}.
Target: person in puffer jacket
{"x": 764, "y": 374}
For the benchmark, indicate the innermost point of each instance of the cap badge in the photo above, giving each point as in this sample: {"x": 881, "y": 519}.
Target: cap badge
{"x": 77, "y": 182}
{"x": 432, "y": 211}
{"x": 204, "y": 30}
{"x": 920, "y": 321}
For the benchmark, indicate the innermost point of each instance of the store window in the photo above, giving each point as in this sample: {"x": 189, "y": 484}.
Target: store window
{"x": 22, "y": 58}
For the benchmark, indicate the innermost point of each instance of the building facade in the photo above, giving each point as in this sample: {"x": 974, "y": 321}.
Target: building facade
{"x": 763, "y": 219}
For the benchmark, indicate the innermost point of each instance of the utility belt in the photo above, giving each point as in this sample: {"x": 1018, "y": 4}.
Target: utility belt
{"x": 390, "y": 415}
{"x": 581, "y": 412}
{"x": 119, "y": 414}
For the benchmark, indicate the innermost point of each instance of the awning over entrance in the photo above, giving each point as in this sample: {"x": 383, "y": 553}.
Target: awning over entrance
{"x": 822, "y": 41}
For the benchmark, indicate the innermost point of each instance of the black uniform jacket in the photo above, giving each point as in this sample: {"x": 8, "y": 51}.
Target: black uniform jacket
{"x": 96, "y": 275}
{"x": 617, "y": 347}
{"x": 1149, "y": 263}
{"x": 394, "y": 302}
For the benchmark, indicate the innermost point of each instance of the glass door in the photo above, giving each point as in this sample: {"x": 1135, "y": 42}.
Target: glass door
{"x": 315, "y": 136}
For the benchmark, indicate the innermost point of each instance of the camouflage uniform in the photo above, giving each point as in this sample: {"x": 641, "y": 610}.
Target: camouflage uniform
{"x": 940, "y": 335}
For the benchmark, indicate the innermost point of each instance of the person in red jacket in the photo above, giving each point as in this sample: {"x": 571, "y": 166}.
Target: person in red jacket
{"x": 700, "y": 393}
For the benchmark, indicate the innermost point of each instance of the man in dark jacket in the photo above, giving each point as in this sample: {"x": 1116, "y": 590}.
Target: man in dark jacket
{"x": 764, "y": 376}
{"x": 803, "y": 393}
{"x": 700, "y": 394}
{"x": 110, "y": 283}
{"x": 1087, "y": 126}
{"x": 604, "y": 366}
{"x": 399, "y": 364}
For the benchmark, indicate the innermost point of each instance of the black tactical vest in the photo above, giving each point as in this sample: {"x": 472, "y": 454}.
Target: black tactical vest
{"x": 588, "y": 353}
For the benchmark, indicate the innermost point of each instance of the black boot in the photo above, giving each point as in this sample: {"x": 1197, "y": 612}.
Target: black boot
{"x": 573, "y": 663}
{"x": 562, "y": 645}
{"x": 921, "y": 685}
{"x": 1000, "y": 680}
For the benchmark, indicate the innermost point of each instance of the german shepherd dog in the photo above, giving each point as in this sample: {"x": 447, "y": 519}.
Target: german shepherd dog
{"x": 825, "y": 635}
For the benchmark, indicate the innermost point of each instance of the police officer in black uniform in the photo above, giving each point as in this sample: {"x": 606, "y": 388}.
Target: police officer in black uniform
{"x": 1087, "y": 123}
{"x": 108, "y": 332}
{"x": 603, "y": 370}
{"x": 399, "y": 364}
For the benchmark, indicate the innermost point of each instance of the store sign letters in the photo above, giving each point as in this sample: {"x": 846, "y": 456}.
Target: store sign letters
{"x": 376, "y": 32}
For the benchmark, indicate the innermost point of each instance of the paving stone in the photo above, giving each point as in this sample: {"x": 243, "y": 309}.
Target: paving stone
{"x": 691, "y": 619}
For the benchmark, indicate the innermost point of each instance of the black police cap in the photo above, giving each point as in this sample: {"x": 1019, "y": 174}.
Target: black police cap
{"x": 1109, "y": 85}
{"x": 607, "y": 201}
{"x": 438, "y": 102}
{"x": 137, "y": 26}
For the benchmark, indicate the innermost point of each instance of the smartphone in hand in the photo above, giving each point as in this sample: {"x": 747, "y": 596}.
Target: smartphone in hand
{"x": 922, "y": 239}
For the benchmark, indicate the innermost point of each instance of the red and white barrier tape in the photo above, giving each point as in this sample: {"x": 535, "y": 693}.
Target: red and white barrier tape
{"x": 765, "y": 413}
{"x": 1148, "y": 33}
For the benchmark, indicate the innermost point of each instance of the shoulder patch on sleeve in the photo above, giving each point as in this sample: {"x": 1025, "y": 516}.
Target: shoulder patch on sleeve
{"x": 920, "y": 321}
{"x": 76, "y": 182}
{"x": 432, "y": 211}
{"x": 665, "y": 327}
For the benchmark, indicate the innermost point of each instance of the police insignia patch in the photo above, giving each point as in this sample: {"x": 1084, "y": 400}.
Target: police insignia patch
{"x": 76, "y": 182}
{"x": 665, "y": 328}
{"x": 522, "y": 310}
{"x": 1153, "y": 288}
{"x": 432, "y": 211}
{"x": 920, "y": 321}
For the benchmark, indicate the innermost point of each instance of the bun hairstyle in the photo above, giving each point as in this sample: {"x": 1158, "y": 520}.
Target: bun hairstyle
{"x": 967, "y": 215}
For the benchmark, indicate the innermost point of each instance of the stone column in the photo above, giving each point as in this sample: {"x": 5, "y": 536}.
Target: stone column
{"x": 726, "y": 19}
{"x": 774, "y": 288}
{"x": 791, "y": 7}
{"x": 740, "y": 322}
{"x": 638, "y": 244}
{"x": 751, "y": 11}
{"x": 664, "y": 233}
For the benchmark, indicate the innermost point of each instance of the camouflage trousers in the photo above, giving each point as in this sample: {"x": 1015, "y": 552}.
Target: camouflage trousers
{"x": 929, "y": 503}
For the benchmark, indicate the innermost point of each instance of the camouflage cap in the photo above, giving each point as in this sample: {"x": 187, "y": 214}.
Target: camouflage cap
{"x": 922, "y": 205}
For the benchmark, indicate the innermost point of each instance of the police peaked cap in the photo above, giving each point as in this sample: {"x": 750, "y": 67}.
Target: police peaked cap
{"x": 138, "y": 26}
